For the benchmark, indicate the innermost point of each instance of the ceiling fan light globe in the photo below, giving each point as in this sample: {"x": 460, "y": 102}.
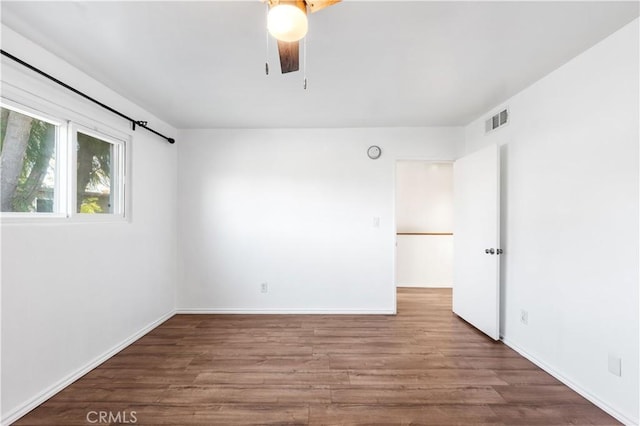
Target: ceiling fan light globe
{"x": 287, "y": 22}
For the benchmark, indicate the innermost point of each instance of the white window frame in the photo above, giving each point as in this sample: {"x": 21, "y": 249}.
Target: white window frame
{"x": 118, "y": 176}
{"x": 61, "y": 159}
{"x": 66, "y": 163}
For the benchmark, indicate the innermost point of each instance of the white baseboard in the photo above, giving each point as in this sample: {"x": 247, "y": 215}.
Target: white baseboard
{"x": 57, "y": 387}
{"x": 586, "y": 394}
{"x": 240, "y": 311}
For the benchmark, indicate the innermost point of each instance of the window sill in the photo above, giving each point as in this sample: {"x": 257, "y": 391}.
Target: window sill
{"x": 60, "y": 219}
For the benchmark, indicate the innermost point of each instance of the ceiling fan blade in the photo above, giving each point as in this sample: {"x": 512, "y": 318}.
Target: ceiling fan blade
{"x": 289, "y": 56}
{"x": 289, "y": 51}
{"x": 316, "y": 5}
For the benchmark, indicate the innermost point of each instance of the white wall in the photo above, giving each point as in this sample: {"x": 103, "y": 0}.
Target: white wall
{"x": 294, "y": 208}
{"x": 424, "y": 196}
{"x": 424, "y": 261}
{"x": 570, "y": 220}
{"x": 73, "y": 292}
{"x": 424, "y": 203}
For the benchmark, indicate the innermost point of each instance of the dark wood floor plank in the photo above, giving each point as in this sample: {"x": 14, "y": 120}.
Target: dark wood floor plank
{"x": 210, "y": 363}
{"x": 262, "y": 394}
{"x": 383, "y": 362}
{"x": 426, "y": 377}
{"x": 540, "y": 394}
{"x": 414, "y": 395}
{"x": 422, "y": 366}
{"x": 71, "y": 414}
{"x": 497, "y": 362}
{"x": 342, "y": 414}
{"x": 549, "y": 415}
{"x": 274, "y": 378}
{"x": 524, "y": 377}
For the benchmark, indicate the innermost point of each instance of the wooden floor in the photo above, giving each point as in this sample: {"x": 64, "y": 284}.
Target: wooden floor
{"x": 423, "y": 366}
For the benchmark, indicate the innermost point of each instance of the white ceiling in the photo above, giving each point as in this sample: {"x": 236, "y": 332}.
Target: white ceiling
{"x": 369, "y": 64}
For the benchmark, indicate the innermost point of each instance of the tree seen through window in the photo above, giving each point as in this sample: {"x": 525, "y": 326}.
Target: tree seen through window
{"x": 27, "y": 163}
{"x": 94, "y": 175}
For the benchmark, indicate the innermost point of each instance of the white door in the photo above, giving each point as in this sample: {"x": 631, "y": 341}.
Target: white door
{"x": 476, "y": 237}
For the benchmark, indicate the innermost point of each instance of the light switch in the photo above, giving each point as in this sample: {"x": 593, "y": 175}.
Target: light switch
{"x": 376, "y": 222}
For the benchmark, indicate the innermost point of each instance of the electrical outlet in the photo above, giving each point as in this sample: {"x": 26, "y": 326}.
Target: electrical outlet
{"x": 264, "y": 288}
{"x": 524, "y": 317}
{"x": 615, "y": 365}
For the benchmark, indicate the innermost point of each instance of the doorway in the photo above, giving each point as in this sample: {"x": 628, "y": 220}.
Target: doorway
{"x": 424, "y": 224}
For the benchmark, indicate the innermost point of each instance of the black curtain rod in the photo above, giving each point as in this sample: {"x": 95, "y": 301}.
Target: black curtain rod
{"x": 133, "y": 122}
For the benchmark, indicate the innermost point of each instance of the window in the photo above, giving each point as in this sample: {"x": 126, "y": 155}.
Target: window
{"x": 29, "y": 181}
{"x": 53, "y": 167}
{"x": 98, "y": 174}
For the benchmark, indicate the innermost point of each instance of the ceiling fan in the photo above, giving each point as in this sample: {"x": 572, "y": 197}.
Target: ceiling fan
{"x": 287, "y": 22}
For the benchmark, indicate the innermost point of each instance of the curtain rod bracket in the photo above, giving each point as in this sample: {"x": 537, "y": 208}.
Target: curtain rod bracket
{"x": 143, "y": 124}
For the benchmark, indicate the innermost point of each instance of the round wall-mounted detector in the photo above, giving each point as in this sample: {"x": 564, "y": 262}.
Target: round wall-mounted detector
{"x": 374, "y": 152}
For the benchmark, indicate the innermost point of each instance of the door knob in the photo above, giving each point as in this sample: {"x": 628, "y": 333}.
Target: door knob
{"x": 489, "y": 251}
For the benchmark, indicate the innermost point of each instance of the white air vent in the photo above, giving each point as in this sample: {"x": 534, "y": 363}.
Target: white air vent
{"x": 498, "y": 120}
